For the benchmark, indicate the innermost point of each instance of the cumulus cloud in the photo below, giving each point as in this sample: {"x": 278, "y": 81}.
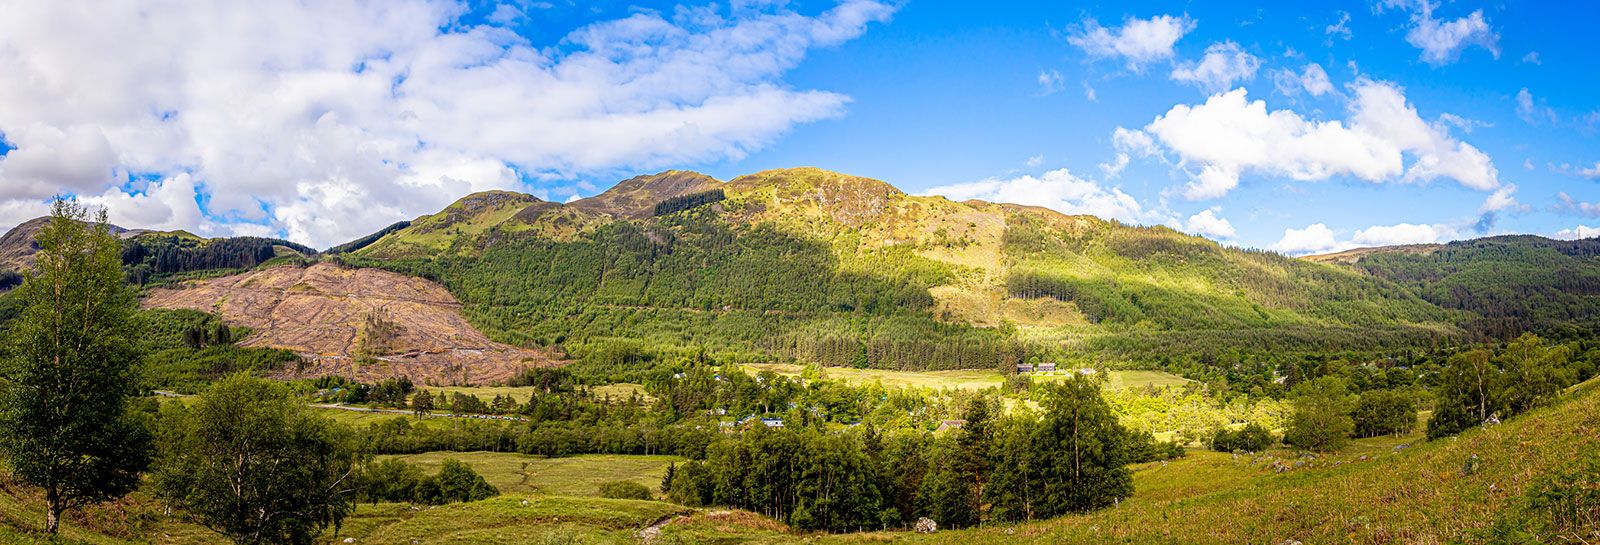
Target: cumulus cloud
{"x": 1442, "y": 41}
{"x": 327, "y": 120}
{"x": 1591, "y": 172}
{"x": 1311, "y": 79}
{"x": 1580, "y": 231}
{"x": 1403, "y": 233}
{"x": 1229, "y": 135}
{"x": 1059, "y": 190}
{"x": 1223, "y": 65}
{"x": 1314, "y": 238}
{"x": 1127, "y": 143}
{"x": 1208, "y": 223}
{"x": 1137, "y": 42}
{"x": 1501, "y": 199}
{"x": 1036, "y": 160}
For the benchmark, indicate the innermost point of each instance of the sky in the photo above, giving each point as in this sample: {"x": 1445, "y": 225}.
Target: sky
{"x": 1300, "y": 127}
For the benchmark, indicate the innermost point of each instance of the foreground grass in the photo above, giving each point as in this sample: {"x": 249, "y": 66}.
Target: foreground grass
{"x": 569, "y": 476}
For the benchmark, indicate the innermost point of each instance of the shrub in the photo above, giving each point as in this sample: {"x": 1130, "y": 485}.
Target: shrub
{"x": 1321, "y": 421}
{"x": 625, "y": 490}
{"x": 1252, "y": 438}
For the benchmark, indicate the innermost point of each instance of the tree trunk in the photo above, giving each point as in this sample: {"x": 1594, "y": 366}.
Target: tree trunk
{"x": 52, "y": 517}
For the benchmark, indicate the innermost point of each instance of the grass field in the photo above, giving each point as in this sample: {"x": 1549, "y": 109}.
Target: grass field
{"x": 968, "y": 379}
{"x": 569, "y": 476}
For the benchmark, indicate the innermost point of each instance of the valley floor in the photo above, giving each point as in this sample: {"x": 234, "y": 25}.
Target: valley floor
{"x": 1381, "y": 490}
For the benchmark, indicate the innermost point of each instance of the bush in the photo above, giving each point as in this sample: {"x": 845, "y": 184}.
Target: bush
{"x": 1384, "y": 412}
{"x": 1321, "y": 420}
{"x": 1562, "y": 504}
{"x": 1251, "y": 438}
{"x": 625, "y": 490}
{"x": 1143, "y": 447}
{"x": 394, "y": 480}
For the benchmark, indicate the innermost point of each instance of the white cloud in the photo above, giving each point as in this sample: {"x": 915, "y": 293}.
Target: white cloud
{"x": 1311, "y": 79}
{"x": 1501, "y": 199}
{"x": 1089, "y": 93}
{"x": 327, "y": 120}
{"x": 1128, "y": 143}
{"x": 1442, "y": 41}
{"x": 1403, "y": 233}
{"x": 1223, "y": 65}
{"x": 1229, "y": 135}
{"x": 1531, "y": 58}
{"x": 1591, "y": 172}
{"x": 1569, "y": 204}
{"x": 1036, "y": 160}
{"x": 1049, "y": 82}
{"x": 1315, "y": 238}
{"x": 1059, "y": 190}
{"x": 1534, "y": 111}
{"x": 1467, "y": 125}
{"x": 1580, "y": 231}
{"x": 1208, "y": 223}
{"x": 1340, "y": 29}
{"x": 1137, "y": 42}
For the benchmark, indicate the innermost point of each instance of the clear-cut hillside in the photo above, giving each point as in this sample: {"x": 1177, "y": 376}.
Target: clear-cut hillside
{"x": 360, "y": 323}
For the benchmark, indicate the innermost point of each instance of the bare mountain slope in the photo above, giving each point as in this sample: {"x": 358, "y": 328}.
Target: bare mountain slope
{"x": 361, "y": 323}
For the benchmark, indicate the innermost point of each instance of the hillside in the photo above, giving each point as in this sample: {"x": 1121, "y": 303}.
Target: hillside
{"x": 365, "y": 324}
{"x": 845, "y": 270}
{"x": 1509, "y": 284}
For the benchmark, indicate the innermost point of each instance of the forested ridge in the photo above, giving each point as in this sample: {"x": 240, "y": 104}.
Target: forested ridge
{"x": 816, "y": 266}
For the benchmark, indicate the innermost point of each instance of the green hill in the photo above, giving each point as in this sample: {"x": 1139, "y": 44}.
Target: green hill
{"x": 1508, "y": 284}
{"x": 816, "y": 265}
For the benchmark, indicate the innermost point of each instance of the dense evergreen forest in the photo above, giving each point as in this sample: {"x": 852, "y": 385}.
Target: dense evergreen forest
{"x": 156, "y": 256}
{"x": 1509, "y": 284}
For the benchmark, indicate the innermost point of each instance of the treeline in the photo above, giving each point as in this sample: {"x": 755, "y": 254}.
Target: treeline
{"x": 1510, "y": 284}
{"x": 1487, "y": 385}
{"x": 685, "y": 202}
{"x": 365, "y": 241}
{"x": 150, "y": 257}
{"x": 1070, "y": 457}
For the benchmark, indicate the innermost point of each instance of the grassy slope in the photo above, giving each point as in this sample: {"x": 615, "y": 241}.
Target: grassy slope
{"x": 1417, "y": 495}
{"x": 1130, "y": 285}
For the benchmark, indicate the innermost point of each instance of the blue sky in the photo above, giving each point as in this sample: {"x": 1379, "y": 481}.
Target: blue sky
{"x": 1390, "y": 122}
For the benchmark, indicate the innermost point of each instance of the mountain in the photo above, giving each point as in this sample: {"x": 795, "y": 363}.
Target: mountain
{"x": 846, "y": 270}
{"x": 1508, "y": 284}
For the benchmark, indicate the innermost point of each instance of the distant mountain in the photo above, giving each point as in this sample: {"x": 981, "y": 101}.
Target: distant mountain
{"x": 846, "y": 270}
{"x": 152, "y": 256}
{"x": 1508, "y": 284}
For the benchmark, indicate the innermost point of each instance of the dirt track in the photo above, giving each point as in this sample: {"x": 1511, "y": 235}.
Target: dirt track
{"x": 321, "y": 312}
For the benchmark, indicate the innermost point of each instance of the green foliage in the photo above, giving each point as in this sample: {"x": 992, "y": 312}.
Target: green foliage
{"x": 456, "y": 482}
{"x": 1321, "y": 420}
{"x": 70, "y": 368}
{"x": 254, "y": 464}
{"x": 187, "y": 350}
{"x": 154, "y": 257}
{"x": 394, "y": 480}
{"x": 1562, "y": 506}
{"x": 686, "y": 202}
{"x": 365, "y": 241}
{"x": 1510, "y": 284}
{"x": 1252, "y": 437}
{"x": 1524, "y": 374}
{"x": 1384, "y": 412}
{"x": 625, "y": 490}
